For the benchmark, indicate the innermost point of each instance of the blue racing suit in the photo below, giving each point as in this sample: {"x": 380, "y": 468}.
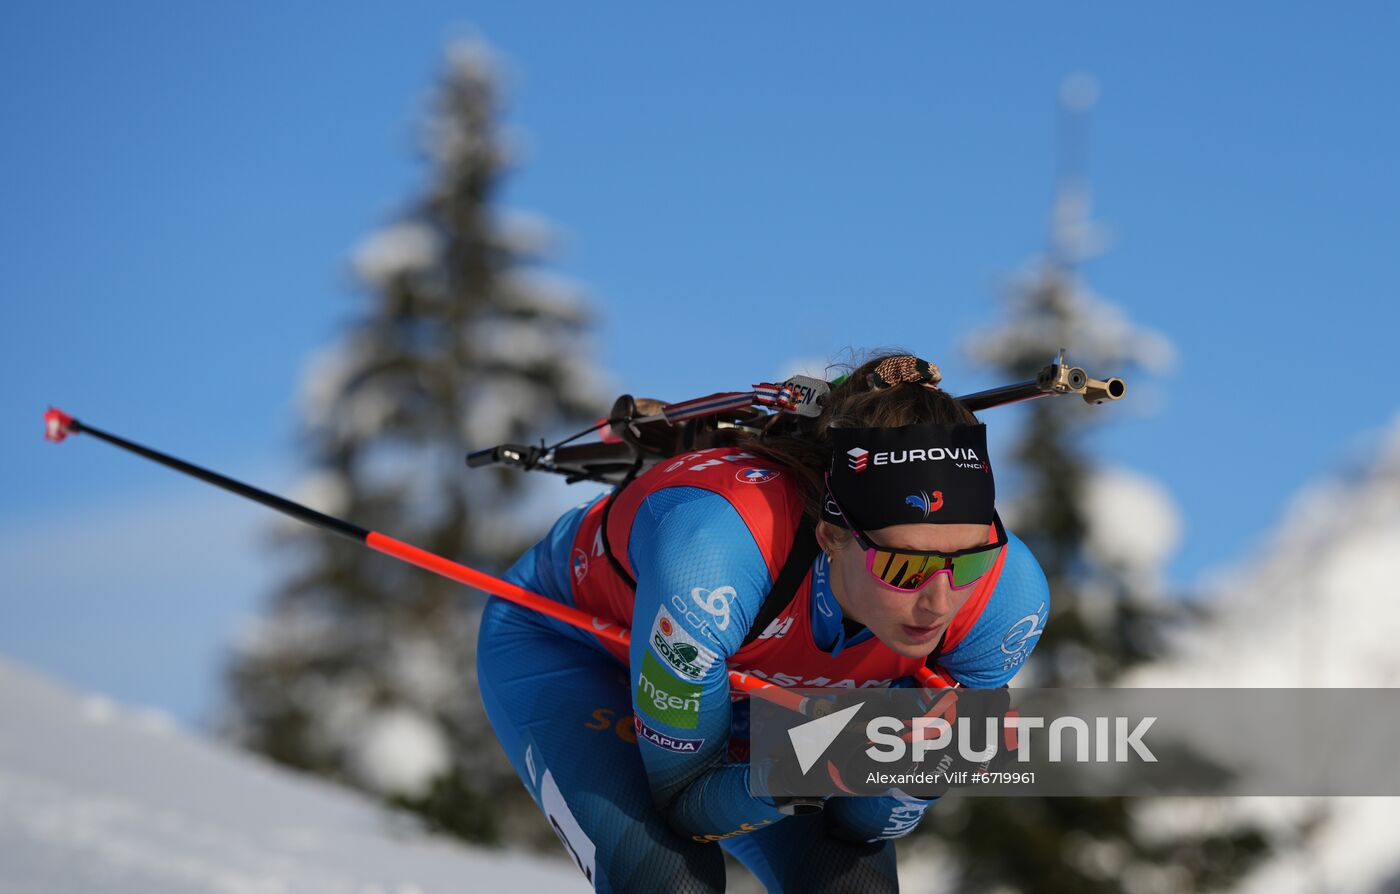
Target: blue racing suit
{"x": 632, "y": 765}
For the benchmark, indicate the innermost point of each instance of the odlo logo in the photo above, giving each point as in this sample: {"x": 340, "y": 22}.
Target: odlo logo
{"x": 859, "y": 458}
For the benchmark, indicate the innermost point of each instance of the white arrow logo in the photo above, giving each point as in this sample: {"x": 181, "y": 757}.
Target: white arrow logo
{"x": 811, "y": 739}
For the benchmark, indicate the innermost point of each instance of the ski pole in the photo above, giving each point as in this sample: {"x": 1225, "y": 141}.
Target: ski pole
{"x": 58, "y": 425}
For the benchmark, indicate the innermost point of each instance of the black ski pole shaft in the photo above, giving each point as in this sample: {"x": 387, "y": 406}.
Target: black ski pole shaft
{"x": 59, "y": 424}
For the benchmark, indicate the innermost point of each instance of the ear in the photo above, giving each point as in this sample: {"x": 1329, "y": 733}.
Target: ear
{"x": 831, "y": 538}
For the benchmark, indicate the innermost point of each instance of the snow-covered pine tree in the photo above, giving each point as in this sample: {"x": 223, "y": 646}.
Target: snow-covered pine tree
{"x": 1108, "y": 611}
{"x": 364, "y": 667}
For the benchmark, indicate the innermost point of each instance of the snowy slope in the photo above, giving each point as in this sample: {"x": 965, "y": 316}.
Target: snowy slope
{"x": 96, "y": 798}
{"x": 1316, "y": 605}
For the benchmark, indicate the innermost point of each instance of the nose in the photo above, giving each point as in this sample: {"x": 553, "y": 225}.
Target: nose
{"x": 937, "y": 597}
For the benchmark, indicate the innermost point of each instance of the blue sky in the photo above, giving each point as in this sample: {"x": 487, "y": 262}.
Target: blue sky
{"x": 735, "y": 187}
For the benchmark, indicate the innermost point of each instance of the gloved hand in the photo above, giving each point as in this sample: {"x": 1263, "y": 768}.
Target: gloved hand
{"x": 778, "y": 777}
{"x": 973, "y": 707}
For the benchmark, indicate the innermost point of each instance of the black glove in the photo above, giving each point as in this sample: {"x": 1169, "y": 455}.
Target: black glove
{"x": 973, "y": 708}
{"x": 937, "y": 770}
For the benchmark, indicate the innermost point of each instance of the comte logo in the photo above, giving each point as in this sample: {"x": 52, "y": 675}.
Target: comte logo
{"x": 860, "y": 458}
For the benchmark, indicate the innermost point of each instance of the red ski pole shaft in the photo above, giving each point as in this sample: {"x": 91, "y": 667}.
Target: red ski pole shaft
{"x": 58, "y": 425}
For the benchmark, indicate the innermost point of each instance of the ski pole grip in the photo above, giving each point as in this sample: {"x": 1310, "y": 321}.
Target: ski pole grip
{"x": 790, "y": 806}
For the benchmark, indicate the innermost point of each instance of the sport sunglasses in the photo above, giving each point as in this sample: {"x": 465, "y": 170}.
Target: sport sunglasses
{"x": 911, "y": 570}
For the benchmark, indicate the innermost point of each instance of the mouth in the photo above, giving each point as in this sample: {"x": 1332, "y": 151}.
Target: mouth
{"x": 920, "y": 634}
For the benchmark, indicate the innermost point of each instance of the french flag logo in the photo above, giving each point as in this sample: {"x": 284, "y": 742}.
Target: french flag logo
{"x": 860, "y": 458}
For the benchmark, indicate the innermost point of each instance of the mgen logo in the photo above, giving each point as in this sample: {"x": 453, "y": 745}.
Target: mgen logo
{"x": 756, "y": 476}
{"x": 664, "y": 698}
{"x": 860, "y": 458}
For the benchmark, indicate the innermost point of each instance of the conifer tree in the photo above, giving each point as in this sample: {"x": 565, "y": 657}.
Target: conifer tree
{"x": 1104, "y": 617}
{"x": 364, "y": 667}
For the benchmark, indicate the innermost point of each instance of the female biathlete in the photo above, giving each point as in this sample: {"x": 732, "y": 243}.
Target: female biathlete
{"x": 882, "y": 514}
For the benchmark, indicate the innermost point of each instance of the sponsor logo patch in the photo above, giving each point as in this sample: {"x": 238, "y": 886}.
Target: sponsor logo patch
{"x": 756, "y": 476}
{"x": 1022, "y": 637}
{"x": 791, "y": 680}
{"x": 744, "y": 829}
{"x": 927, "y": 503}
{"x": 905, "y": 817}
{"x": 716, "y": 602}
{"x": 962, "y": 457}
{"x": 603, "y": 719}
{"x": 859, "y": 458}
{"x": 685, "y": 610}
{"x": 664, "y": 698}
{"x": 685, "y": 654}
{"x": 670, "y": 743}
{"x": 579, "y": 561}
{"x": 777, "y": 628}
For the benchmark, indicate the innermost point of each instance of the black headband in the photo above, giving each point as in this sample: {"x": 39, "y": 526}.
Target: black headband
{"x": 937, "y": 474}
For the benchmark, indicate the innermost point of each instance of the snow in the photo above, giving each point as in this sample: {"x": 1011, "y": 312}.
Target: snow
{"x": 397, "y": 250}
{"x": 325, "y": 490}
{"x": 521, "y": 343}
{"x": 324, "y": 375}
{"x": 96, "y": 797}
{"x": 1134, "y": 523}
{"x": 525, "y": 233}
{"x": 399, "y": 752}
{"x": 473, "y": 66}
{"x": 1098, "y": 334}
{"x": 421, "y": 669}
{"x": 536, "y": 291}
{"x": 1313, "y": 606}
{"x": 497, "y": 407}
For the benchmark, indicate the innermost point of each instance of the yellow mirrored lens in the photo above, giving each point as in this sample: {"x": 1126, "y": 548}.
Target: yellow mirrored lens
{"x": 909, "y": 571}
{"x": 905, "y": 570}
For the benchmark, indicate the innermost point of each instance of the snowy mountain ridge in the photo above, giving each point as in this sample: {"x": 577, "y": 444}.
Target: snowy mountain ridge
{"x": 1314, "y": 605}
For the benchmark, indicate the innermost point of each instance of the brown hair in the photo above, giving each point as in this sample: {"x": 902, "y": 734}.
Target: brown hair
{"x": 887, "y": 391}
